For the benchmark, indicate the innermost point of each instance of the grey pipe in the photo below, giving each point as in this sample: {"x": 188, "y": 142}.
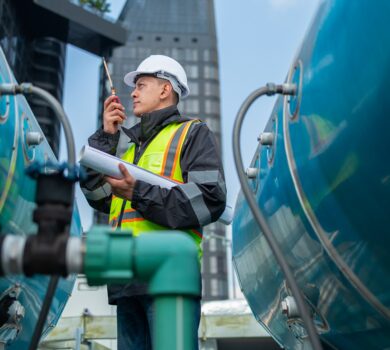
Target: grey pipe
{"x": 12, "y": 252}
{"x": 27, "y": 88}
{"x": 269, "y": 90}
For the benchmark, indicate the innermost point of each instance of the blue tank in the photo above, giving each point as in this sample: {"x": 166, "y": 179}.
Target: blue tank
{"x": 324, "y": 186}
{"x": 17, "y": 194}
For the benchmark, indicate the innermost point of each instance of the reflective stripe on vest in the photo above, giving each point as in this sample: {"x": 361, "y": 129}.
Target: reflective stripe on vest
{"x": 161, "y": 156}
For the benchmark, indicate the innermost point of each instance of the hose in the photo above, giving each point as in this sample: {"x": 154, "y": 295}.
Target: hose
{"x": 44, "y": 311}
{"x": 269, "y": 90}
{"x": 59, "y": 111}
{"x": 27, "y": 88}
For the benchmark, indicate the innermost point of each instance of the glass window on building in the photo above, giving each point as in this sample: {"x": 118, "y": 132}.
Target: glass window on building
{"x": 211, "y": 89}
{"x": 191, "y": 54}
{"x": 210, "y": 72}
{"x": 213, "y": 264}
{"x": 211, "y": 106}
{"x": 144, "y": 52}
{"x": 191, "y": 106}
{"x": 118, "y": 70}
{"x": 192, "y": 71}
{"x": 221, "y": 266}
{"x": 222, "y": 285}
{"x": 214, "y": 287}
{"x": 177, "y": 54}
{"x": 212, "y": 245}
{"x": 209, "y": 55}
{"x": 213, "y": 124}
{"x": 206, "y": 55}
{"x": 194, "y": 88}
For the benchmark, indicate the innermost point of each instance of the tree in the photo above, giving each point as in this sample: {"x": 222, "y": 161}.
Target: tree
{"x": 99, "y": 6}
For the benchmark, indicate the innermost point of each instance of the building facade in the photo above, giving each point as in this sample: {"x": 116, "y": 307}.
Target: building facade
{"x": 185, "y": 31}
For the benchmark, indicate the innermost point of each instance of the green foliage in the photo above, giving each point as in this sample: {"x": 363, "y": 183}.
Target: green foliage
{"x": 100, "y": 6}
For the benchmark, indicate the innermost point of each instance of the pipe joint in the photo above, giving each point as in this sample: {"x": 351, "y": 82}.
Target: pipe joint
{"x": 169, "y": 260}
{"x": 108, "y": 256}
{"x": 45, "y": 255}
{"x": 284, "y": 89}
{"x": 15, "y": 89}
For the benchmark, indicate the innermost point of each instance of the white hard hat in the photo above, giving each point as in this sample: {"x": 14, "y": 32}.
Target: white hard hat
{"x": 163, "y": 67}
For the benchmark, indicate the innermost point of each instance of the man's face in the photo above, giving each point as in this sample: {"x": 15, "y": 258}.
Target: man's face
{"x": 146, "y": 95}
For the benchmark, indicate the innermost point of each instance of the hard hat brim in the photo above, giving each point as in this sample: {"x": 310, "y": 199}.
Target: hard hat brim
{"x": 130, "y": 77}
{"x": 129, "y": 80}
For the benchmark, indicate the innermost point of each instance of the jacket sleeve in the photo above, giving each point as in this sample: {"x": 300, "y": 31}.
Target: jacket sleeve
{"x": 95, "y": 189}
{"x": 201, "y": 199}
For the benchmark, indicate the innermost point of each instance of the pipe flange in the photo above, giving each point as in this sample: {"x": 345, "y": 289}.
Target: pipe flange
{"x": 295, "y": 77}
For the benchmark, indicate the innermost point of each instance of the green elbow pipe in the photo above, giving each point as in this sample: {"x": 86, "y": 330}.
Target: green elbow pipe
{"x": 167, "y": 260}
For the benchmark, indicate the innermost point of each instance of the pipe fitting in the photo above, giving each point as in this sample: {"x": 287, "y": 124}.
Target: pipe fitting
{"x": 12, "y": 250}
{"x": 14, "y": 89}
{"x": 116, "y": 257}
{"x": 289, "y": 89}
{"x": 266, "y": 138}
{"x": 34, "y": 138}
{"x": 284, "y": 89}
{"x": 169, "y": 261}
{"x": 45, "y": 255}
{"x": 108, "y": 256}
{"x": 54, "y": 255}
{"x": 75, "y": 250}
{"x": 251, "y": 173}
{"x": 289, "y": 307}
{"x": 8, "y": 89}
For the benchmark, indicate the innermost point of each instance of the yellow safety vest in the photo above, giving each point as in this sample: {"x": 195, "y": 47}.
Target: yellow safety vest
{"x": 162, "y": 157}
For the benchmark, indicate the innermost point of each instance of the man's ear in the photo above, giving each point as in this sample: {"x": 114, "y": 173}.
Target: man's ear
{"x": 166, "y": 90}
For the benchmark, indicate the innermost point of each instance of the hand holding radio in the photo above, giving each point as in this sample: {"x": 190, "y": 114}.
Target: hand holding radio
{"x": 114, "y": 114}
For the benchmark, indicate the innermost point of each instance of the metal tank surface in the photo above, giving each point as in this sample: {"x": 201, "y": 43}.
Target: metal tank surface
{"x": 21, "y": 143}
{"x": 322, "y": 180}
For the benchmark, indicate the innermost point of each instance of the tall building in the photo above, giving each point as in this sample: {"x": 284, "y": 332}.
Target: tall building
{"x": 184, "y": 30}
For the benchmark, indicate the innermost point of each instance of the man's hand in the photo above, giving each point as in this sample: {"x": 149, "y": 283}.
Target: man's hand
{"x": 113, "y": 115}
{"x": 122, "y": 188}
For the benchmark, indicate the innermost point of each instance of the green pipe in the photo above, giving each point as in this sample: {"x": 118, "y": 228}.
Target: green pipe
{"x": 173, "y": 322}
{"x": 167, "y": 260}
{"x": 108, "y": 256}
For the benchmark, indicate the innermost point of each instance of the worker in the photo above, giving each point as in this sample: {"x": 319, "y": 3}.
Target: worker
{"x": 169, "y": 144}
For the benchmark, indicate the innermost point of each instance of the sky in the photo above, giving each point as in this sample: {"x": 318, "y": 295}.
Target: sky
{"x": 257, "y": 42}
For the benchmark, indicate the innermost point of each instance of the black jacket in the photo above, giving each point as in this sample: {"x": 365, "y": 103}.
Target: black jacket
{"x": 181, "y": 206}
{"x": 198, "y": 202}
